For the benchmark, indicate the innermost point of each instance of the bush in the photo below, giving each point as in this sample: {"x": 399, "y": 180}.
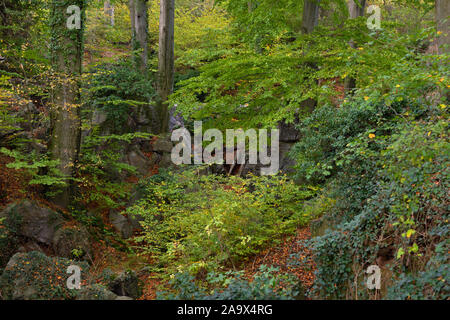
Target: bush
{"x": 387, "y": 169}
{"x": 205, "y": 221}
{"x": 266, "y": 285}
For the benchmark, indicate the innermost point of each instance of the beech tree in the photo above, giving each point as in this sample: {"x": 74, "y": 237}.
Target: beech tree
{"x": 67, "y": 25}
{"x": 108, "y": 9}
{"x": 165, "y": 60}
{"x": 310, "y": 15}
{"x": 355, "y": 9}
{"x": 139, "y": 31}
{"x": 443, "y": 25}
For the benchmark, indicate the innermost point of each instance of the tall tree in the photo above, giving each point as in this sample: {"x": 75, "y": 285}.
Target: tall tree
{"x": 310, "y": 15}
{"x": 355, "y": 10}
{"x": 165, "y": 60}
{"x": 139, "y": 30}
{"x": 310, "y": 21}
{"x": 443, "y": 25}
{"x": 108, "y": 9}
{"x": 67, "y": 25}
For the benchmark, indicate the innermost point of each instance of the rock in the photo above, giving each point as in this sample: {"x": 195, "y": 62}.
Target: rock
{"x": 123, "y": 224}
{"x": 72, "y": 243}
{"x": 162, "y": 145}
{"x": 123, "y": 298}
{"x": 286, "y": 163}
{"x": 28, "y": 219}
{"x": 9, "y": 244}
{"x": 126, "y": 284}
{"x": 137, "y": 159}
{"x": 95, "y": 292}
{"x": 288, "y": 132}
{"x": 33, "y": 275}
{"x": 176, "y": 120}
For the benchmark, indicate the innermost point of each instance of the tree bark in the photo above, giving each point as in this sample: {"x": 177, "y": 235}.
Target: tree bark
{"x": 355, "y": 9}
{"x": 66, "y": 53}
{"x": 139, "y": 31}
{"x": 165, "y": 60}
{"x": 108, "y": 9}
{"x": 310, "y": 15}
{"x": 443, "y": 25}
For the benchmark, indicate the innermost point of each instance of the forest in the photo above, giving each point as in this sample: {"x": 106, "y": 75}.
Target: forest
{"x": 224, "y": 149}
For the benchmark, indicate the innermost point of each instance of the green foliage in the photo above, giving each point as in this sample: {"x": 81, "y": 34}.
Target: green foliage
{"x": 202, "y": 222}
{"x": 267, "y": 284}
{"x": 117, "y": 89}
{"x": 386, "y": 165}
{"x": 261, "y": 89}
{"x": 42, "y": 170}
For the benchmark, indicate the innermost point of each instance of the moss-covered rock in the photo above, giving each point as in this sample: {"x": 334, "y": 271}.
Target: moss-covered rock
{"x": 95, "y": 292}
{"x": 34, "y": 276}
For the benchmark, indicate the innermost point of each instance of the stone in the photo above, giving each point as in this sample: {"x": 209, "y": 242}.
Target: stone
{"x": 163, "y": 146}
{"x": 72, "y": 243}
{"x": 28, "y": 219}
{"x": 121, "y": 223}
{"x": 34, "y": 276}
{"x": 123, "y": 298}
{"x": 95, "y": 292}
{"x": 137, "y": 159}
{"x": 126, "y": 284}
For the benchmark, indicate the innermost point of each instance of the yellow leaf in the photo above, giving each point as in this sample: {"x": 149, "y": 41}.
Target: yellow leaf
{"x": 371, "y": 135}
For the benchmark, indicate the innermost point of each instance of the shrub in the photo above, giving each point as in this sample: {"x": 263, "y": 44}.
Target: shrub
{"x": 205, "y": 221}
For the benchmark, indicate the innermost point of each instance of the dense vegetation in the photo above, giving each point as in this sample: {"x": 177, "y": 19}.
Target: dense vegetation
{"x": 86, "y": 116}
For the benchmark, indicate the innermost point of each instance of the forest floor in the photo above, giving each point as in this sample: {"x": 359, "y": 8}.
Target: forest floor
{"x": 279, "y": 256}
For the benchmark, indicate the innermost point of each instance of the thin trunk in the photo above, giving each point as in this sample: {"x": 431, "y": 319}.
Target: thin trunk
{"x": 443, "y": 25}
{"x": 310, "y": 15}
{"x": 309, "y": 23}
{"x": 108, "y": 9}
{"x": 165, "y": 60}
{"x": 66, "y": 53}
{"x": 139, "y": 31}
{"x": 355, "y": 9}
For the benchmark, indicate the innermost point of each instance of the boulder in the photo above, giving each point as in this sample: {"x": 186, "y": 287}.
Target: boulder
{"x": 9, "y": 244}
{"x": 72, "y": 243}
{"x": 162, "y": 145}
{"x": 124, "y": 224}
{"x": 121, "y": 224}
{"x": 126, "y": 284}
{"x": 95, "y": 292}
{"x": 28, "y": 219}
{"x": 34, "y": 276}
{"x": 123, "y": 298}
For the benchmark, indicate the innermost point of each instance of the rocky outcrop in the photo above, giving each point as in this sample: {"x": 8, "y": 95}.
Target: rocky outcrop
{"x": 28, "y": 226}
{"x": 28, "y": 219}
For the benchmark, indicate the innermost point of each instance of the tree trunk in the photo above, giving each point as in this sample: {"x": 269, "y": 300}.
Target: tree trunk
{"x": 139, "y": 31}
{"x": 443, "y": 25}
{"x": 66, "y": 54}
{"x": 309, "y": 22}
{"x": 310, "y": 15}
{"x": 165, "y": 60}
{"x": 108, "y": 9}
{"x": 355, "y": 9}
